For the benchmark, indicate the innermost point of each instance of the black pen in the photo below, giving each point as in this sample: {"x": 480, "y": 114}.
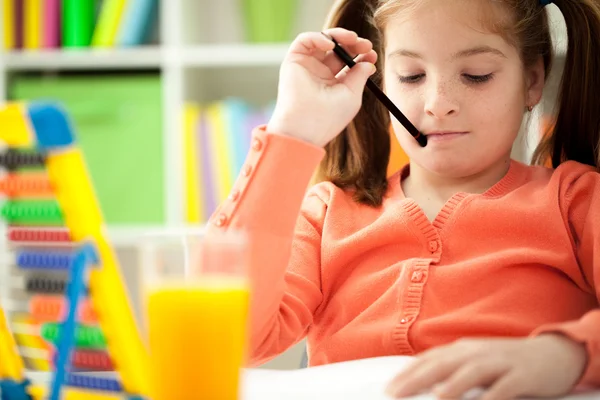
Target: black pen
{"x": 345, "y": 57}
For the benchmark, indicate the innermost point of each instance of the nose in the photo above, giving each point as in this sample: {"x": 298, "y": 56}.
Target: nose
{"x": 440, "y": 100}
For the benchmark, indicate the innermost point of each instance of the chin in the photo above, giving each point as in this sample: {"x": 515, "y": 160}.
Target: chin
{"x": 451, "y": 168}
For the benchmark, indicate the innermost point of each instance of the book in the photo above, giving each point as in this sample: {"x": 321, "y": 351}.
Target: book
{"x": 193, "y": 201}
{"x": 51, "y": 24}
{"x": 8, "y": 23}
{"x": 77, "y": 22}
{"x": 220, "y": 149}
{"x": 33, "y": 24}
{"x": 138, "y": 19}
{"x": 105, "y": 33}
{"x": 207, "y": 174}
{"x": 237, "y": 110}
{"x": 19, "y": 23}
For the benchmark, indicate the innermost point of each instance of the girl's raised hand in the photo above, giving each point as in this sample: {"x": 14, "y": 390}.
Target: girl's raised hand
{"x": 317, "y": 95}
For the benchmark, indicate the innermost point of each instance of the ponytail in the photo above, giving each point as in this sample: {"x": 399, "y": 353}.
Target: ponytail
{"x": 575, "y": 135}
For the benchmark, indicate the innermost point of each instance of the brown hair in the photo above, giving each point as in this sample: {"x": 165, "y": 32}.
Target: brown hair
{"x": 357, "y": 159}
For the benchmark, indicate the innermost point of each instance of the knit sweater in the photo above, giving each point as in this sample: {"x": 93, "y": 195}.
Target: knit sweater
{"x": 521, "y": 259}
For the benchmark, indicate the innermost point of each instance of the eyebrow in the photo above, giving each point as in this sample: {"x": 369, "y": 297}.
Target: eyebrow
{"x": 461, "y": 54}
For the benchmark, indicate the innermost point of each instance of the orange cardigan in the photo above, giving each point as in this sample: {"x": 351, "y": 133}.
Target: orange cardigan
{"x": 520, "y": 259}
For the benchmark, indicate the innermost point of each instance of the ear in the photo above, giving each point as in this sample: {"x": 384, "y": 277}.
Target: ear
{"x": 535, "y": 78}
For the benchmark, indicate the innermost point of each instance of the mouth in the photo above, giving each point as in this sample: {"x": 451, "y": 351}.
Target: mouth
{"x": 445, "y": 135}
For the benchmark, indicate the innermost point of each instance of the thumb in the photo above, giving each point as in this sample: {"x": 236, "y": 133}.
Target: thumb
{"x": 356, "y": 77}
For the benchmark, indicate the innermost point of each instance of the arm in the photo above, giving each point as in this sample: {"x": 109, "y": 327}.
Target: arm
{"x": 284, "y": 232}
{"x": 581, "y": 210}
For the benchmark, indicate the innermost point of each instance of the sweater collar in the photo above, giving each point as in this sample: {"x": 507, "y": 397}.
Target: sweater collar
{"x": 500, "y": 188}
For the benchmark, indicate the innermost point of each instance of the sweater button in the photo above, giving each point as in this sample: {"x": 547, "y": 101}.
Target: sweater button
{"x": 433, "y": 246}
{"x": 247, "y": 170}
{"x": 221, "y": 220}
{"x": 417, "y": 277}
{"x": 234, "y": 195}
{"x": 256, "y": 145}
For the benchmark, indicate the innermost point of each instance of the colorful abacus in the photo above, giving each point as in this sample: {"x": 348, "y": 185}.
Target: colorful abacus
{"x": 77, "y": 322}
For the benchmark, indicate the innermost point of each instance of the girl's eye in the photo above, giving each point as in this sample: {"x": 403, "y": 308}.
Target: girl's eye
{"x": 478, "y": 78}
{"x": 472, "y": 78}
{"x": 410, "y": 79}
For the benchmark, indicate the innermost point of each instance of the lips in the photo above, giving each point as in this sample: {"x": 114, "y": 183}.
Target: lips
{"x": 443, "y": 136}
{"x": 442, "y": 133}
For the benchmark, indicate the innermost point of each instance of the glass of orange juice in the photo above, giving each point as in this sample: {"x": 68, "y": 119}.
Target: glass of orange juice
{"x": 195, "y": 296}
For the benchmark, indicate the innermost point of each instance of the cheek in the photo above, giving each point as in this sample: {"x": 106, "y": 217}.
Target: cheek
{"x": 503, "y": 111}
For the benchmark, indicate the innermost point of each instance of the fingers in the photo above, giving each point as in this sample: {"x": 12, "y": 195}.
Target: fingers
{"x": 317, "y": 45}
{"x": 311, "y": 44}
{"x": 506, "y": 387}
{"x": 354, "y": 47}
{"x": 423, "y": 377}
{"x": 356, "y": 78}
{"x": 470, "y": 376}
{"x": 370, "y": 57}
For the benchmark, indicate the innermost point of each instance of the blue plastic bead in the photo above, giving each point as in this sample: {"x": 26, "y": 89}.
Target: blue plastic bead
{"x": 50, "y": 124}
{"x": 11, "y": 390}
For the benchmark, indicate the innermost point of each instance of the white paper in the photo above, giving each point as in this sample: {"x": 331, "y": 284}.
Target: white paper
{"x": 351, "y": 380}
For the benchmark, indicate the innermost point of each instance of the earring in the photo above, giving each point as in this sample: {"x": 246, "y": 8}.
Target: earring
{"x": 530, "y": 108}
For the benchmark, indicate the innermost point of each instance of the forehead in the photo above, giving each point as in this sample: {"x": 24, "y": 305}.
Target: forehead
{"x": 448, "y": 26}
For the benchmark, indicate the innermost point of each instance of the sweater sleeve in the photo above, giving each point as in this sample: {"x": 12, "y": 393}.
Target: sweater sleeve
{"x": 269, "y": 202}
{"x": 580, "y": 203}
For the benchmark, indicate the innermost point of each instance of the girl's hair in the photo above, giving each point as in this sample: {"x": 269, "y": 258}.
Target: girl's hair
{"x": 357, "y": 159}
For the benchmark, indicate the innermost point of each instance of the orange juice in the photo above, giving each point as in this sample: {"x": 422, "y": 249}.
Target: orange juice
{"x": 197, "y": 338}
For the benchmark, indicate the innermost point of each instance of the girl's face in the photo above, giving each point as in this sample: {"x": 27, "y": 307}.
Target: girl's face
{"x": 464, "y": 87}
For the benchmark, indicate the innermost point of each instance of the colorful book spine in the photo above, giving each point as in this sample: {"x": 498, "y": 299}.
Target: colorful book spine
{"x": 230, "y": 143}
{"x": 237, "y": 111}
{"x": 51, "y": 24}
{"x": 138, "y": 18}
{"x": 208, "y": 173}
{"x": 220, "y": 149}
{"x": 194, "y": 201}
{"x": 8, "y": 23}
{"x": 33, "y": 24}
{"x": 111, "y": 14}
{"x": 77, "y": 22}
{"x": 19, "y": 21}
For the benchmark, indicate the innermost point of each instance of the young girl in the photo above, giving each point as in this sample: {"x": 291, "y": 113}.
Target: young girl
{"x": 486, "y": 269}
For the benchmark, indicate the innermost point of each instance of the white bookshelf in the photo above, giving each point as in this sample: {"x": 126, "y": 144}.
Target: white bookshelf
{"x": 202, "y": 57}
{"x": 136, "y": 58}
